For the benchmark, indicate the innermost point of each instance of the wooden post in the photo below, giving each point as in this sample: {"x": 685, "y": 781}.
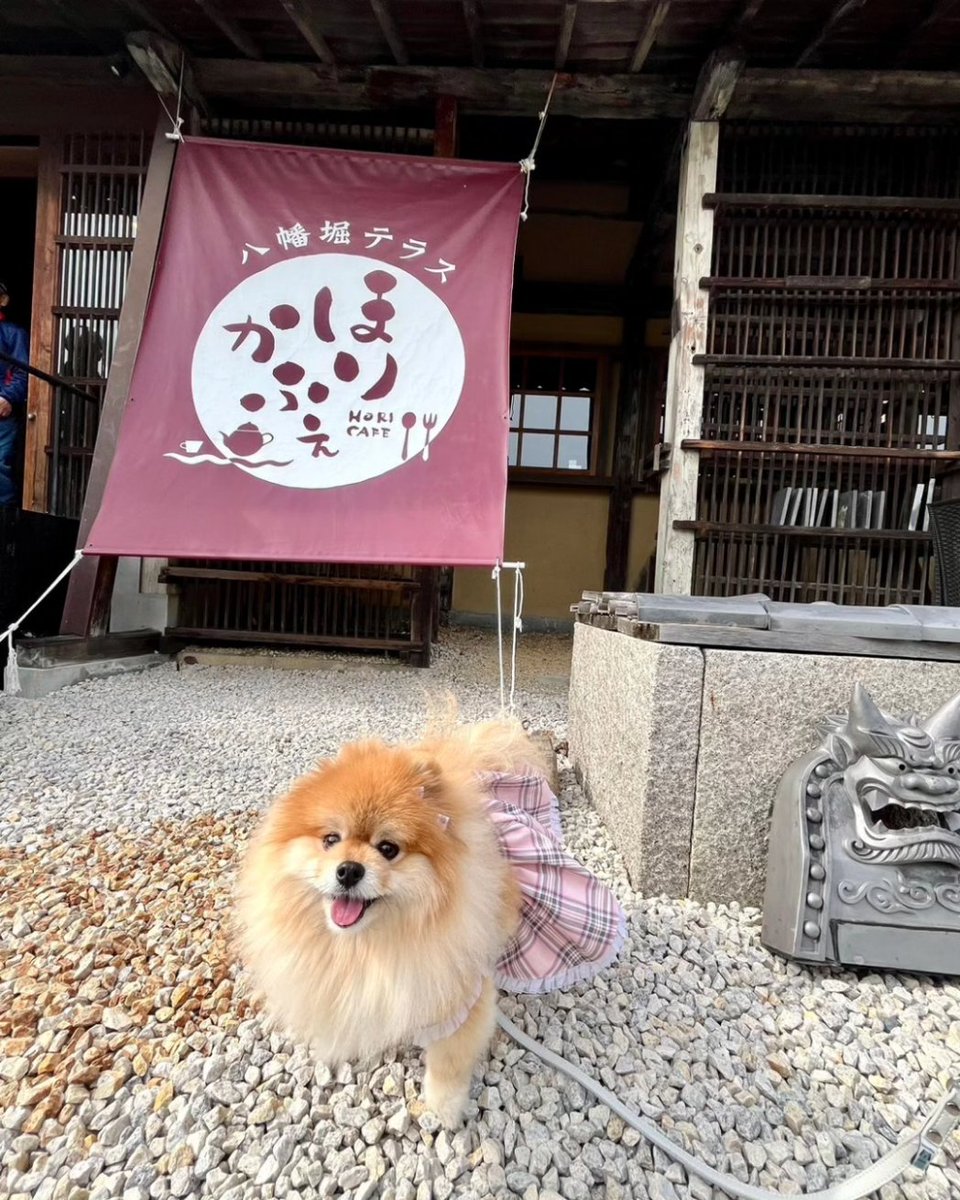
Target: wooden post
{"x": 446, "y": 131}
{"x": 41, "y": 397}
{"x": 684, "y": 408}
{"x": 626, "y": 452}
{"x": 87, "y": 608}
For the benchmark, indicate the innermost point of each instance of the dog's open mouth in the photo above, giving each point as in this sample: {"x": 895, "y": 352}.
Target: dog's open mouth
{"x": 348, "y": 910}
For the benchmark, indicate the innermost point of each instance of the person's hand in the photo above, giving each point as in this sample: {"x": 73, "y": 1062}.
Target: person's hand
{"x": 6, "y": 409}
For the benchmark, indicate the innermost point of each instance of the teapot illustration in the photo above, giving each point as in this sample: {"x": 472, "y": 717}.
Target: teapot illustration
{"x": 246, "y": 439}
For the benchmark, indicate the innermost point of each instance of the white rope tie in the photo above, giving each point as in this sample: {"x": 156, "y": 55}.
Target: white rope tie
{"x": 518, "y": 568}
{"x": 176, "y": 132}
{"x": 528, "y": 165}
{"x": 517, "y": 628}
{"x": 11, "y": 672}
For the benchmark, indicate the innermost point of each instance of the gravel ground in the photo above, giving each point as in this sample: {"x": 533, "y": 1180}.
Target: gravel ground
{"x": 132, "y": 1067}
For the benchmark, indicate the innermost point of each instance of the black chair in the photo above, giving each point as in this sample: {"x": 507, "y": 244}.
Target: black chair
{"x": 945, "y": 527}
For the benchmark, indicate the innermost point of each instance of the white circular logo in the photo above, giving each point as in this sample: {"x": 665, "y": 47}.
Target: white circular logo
{"x": 324, "y": 370}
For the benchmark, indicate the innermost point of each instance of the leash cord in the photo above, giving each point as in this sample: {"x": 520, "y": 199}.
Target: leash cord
{"x": 917, "y": 1149}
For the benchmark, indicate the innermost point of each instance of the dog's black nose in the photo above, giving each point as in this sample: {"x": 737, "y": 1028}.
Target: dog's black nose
{"x": 349, "y": 874}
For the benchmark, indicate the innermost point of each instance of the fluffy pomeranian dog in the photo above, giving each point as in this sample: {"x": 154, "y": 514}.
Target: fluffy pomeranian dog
{"x": 374, "y": 902}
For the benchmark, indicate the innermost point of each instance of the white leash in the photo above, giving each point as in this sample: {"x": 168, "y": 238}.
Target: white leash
{"x": 915, "y": 1150}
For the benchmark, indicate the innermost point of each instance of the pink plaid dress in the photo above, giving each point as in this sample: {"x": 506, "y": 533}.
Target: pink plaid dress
{"x": 571, "y": 926}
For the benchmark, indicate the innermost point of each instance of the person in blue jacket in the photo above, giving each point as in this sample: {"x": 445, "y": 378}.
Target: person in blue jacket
{"x": 13, "y": 397}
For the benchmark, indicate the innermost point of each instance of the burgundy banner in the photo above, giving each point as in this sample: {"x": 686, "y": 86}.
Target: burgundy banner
{"x": 323, "y": 371}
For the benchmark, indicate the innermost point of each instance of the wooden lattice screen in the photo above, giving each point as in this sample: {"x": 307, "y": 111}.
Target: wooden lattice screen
{"x": 100, "y": 183}
{"x": 832, "y": 384}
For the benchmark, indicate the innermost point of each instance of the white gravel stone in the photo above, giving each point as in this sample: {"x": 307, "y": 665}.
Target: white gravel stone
{"x": 124, "y": 806}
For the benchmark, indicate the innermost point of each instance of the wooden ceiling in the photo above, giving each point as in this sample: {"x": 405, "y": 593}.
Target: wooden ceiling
{"x": 814, "y": 59}
{"x": 593, "y": 36}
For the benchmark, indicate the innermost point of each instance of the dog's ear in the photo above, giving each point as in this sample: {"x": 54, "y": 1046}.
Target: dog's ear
{"x": 429, "y": 778}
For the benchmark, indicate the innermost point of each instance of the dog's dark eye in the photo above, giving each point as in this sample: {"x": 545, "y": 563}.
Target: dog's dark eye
{"x": 389, "y": 849}
{"x": 331, "y": 840}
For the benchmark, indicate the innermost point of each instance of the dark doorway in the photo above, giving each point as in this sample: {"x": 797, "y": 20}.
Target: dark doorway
{"x": 18, "y": 203}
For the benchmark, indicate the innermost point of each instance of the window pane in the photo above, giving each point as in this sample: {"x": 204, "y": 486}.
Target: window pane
{"x": 539, "y": 412}
{"x": 537, "y": 450}
{"x": 543, "y": 374}
{"x": 512, "y": 453}
{"x": 514, "y": 410}
{"x": 575, "y": 413}
{"x": 574, "y": 453}
{"x": 579, "y": 374}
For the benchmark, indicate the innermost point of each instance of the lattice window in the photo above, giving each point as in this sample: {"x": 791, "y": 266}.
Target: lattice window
{"x": 832, "y": 387}
{"x": 102, "y": 178}
{"x": 554, "y": 408}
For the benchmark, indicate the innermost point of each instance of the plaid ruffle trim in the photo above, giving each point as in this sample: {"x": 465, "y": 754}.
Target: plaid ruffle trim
{"x": 571, "y": 926}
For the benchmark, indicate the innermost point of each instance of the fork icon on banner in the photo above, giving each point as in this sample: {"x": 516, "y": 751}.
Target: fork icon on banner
{"x": 429, "y": 421}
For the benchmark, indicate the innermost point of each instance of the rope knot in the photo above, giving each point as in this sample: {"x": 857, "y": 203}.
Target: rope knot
{"x": 528, "y": 164}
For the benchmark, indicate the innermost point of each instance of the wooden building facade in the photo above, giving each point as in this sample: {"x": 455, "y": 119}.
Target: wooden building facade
{"x": 737, "y": 300}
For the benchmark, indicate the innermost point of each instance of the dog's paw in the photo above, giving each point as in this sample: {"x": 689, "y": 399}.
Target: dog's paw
{"x": 448, "y": 1103}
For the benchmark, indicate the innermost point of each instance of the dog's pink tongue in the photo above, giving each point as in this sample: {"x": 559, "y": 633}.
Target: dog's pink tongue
{"x": 347, "y": 911}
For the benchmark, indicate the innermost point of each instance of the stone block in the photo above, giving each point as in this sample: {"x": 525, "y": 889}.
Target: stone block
{"x": 633, "y": 728}
{"x": 36, "y": 682}
{"x": 760, "y": 712}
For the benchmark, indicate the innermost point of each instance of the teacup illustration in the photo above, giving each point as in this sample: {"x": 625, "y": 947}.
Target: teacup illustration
{"x": 191, "y": 447}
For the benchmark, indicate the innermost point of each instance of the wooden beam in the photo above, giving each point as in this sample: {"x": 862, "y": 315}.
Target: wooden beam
{"x": 744, "y": 19}
{"x": 40, "y": 396}
{"x": 388, "y": 27}
{"x": 146, "y": 16}
{"x": 229, "y": 28}
{"x": 471, "y": 17}
{"x": 839, "y": 13}
{"x": 935, "y": 13}
{"x": 162, "y": 63}
{"x": 290, "y": 85}
{"x": 565, "y": 35}
{"x": 76, "y": 21}
{"x": 502, "y": 92}
{"x": 817, "y": 450}
{"x": 887, "y": 97}
{"x": 656, "y": 15}
{"x": 87, "y": 608}
{"x": 307, "y": 15}
{"x": 685, "y": 380}
{"x": 716, "y": 84}
{"x": 57, "y": 650}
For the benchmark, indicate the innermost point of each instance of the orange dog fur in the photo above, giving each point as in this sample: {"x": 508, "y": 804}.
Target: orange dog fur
{"x": 374, "y": 903}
